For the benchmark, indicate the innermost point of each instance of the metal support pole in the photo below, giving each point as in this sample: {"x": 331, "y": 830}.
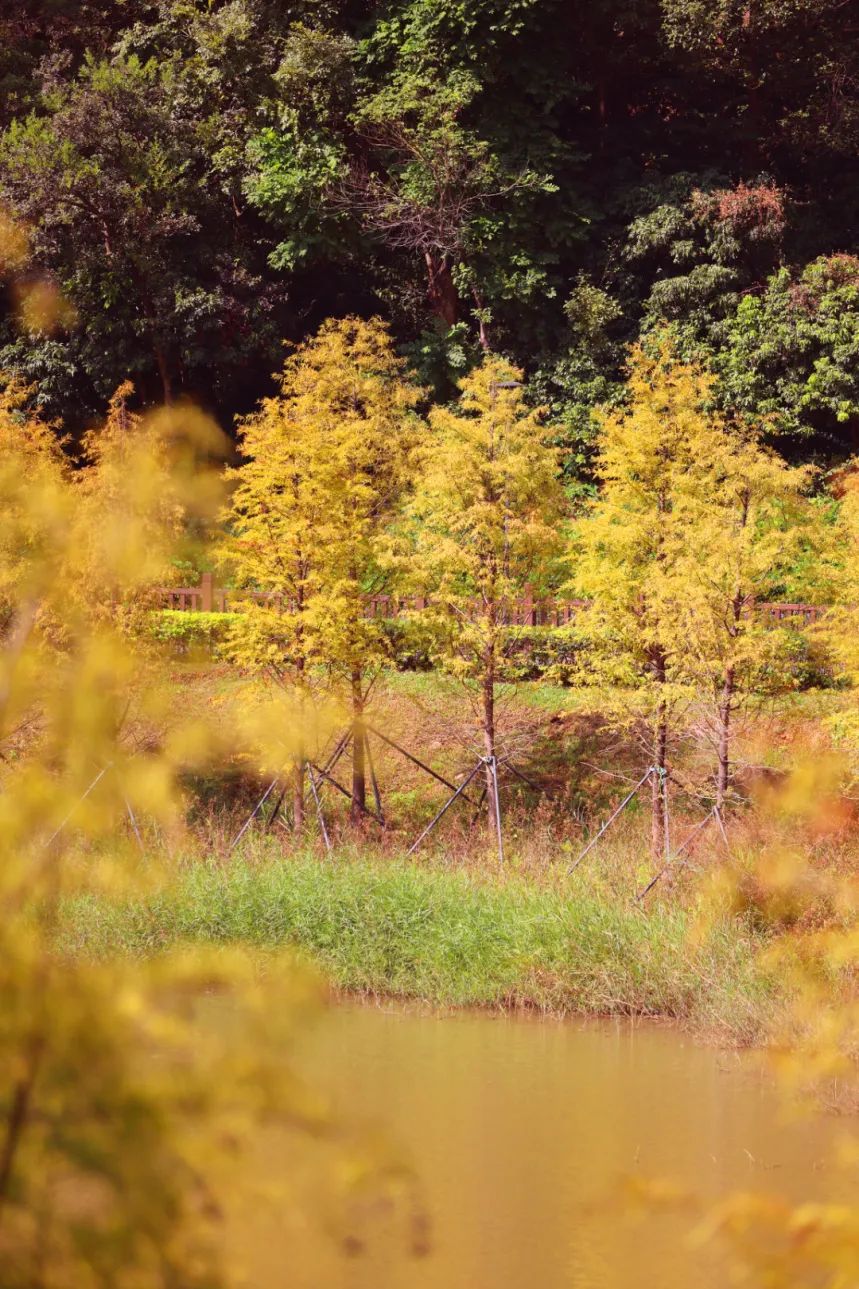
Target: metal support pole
{"x": 493, "y": 766}
{"x": 377, "y": 796}
{"x": 665, "y": 819}
{"x": 720, "y": 821}
{"x": 339, "y": 749}
{"x": 128, "y": 810}
{"x": 519, "y": 775}
{"x": 611, "y": 819}
{"x": 252, "y": 816}
{"x": 345, "y": 791}
{"x": 665, "y": 867}
{"x": 55, "y": 834}
{"x": 133, "y": 822}
{"x": 335, "y": 756}
{"x": 408, "y": 755}
{"x": 319, "y": 815}
{"x": 277, "y": 806}
{"x": 460, "y": 790}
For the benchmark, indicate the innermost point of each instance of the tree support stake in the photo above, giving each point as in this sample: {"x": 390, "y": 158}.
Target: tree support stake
{"x": 319, "y": 815}
{"x": 458, "y": 793}
{"x": 608, "y": 823}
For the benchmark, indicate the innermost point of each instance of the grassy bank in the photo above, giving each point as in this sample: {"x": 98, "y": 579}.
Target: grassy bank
{"x": 452, "y": 938}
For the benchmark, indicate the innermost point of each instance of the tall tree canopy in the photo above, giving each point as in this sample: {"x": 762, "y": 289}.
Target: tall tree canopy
{"x": 206, "y": 177}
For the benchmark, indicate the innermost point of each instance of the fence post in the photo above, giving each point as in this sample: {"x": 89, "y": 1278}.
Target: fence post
{"x": 206, "y": 593}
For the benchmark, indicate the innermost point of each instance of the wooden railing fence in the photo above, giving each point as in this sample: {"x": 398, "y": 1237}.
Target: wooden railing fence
{"x": 208, "y": 598}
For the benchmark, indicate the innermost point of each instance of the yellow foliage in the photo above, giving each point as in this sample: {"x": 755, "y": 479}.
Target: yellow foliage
{"x": 694, "y": 522}
{"x": 739, "y": 518}
{"x": 14, "y": 244}
{"x": 486, "y": 515}
{"x": 42, "y": 309}
{"x": 32, "y": 523}
{"x": 621, "y": 547}
{"x": 145, "y": 481}
{"x": 840, "y": 628}
{"x": 810, "y": 915}
{"x": 120, "y": 1115}
{"x": 487, "y": 510}
{"x": 327, "y": 462}
{"x": 486, "y": 518}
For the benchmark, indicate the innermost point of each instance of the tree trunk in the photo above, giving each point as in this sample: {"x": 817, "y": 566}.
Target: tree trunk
{"x": 298, "y": 795}
{"x": 359, "y": 779}
{"x": 658, "y": 824}
{"x": 441, "y": 290}
{"x": 723, "y": 770}
{"x": 729, "y": 689}
{"x": 602, "y": 111}
{"x": 482, "y": 328}
{"x": 658, "y": 790}
{"x": 298, "y": 774}
{"x": 163, "y": 371}
{"x": 489, "y": 734}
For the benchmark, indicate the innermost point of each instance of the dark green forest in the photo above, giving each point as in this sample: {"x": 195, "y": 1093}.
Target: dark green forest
{"x": 549, "y": 179}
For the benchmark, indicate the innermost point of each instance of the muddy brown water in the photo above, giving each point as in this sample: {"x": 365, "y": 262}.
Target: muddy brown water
{"x": 520, "y": 1133}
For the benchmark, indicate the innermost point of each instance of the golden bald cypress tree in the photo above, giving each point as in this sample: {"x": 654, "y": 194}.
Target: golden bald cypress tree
{"x": 694, "y": 521}
{"x": 327, "y": 463}
{"x": 121, "y": 1120}
{"x": 486, "y": 512}
{"x": 741, "y": 518}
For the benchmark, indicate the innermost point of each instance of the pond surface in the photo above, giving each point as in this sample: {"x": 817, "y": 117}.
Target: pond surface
{"x": 520, "y": 1132}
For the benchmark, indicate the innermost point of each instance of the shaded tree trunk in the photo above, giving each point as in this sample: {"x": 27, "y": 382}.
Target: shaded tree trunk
{"x": 300, "y": 770}
{"x": 298, "y": 794}
{"x": 441, "y": 290}
{"x": 725, "y": 709}
{"x": 359, "y": 776}
{"x": 163, "y": 371}
{"x": 482, "y": 328}
{"x": 659, "y": 822}
{"x": 723, "y": 768}
{"x": 17, "y": 1115}
{"x": 159, "y": 352}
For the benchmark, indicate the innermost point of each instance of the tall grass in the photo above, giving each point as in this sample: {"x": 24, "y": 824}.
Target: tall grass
{"x": 457, "y": 938}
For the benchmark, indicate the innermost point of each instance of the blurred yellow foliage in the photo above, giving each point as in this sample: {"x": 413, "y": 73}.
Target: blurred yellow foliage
{"x": 811, "y": 914}
{"x": 121, "y": 1117}
{"x": 14, "y": 244}
{"x": 840, "y": 627}
{"x": 41, "y": 308}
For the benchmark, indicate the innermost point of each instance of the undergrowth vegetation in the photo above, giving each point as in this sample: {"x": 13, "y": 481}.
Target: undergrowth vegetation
{"x": 453, "y": 937}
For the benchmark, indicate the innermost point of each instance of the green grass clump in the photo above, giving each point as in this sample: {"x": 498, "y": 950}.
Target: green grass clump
{"x": 452, "y": 938}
